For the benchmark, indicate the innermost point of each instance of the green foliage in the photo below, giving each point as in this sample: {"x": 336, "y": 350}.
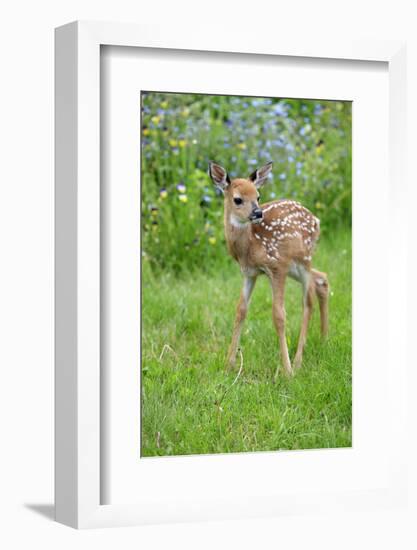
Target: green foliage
{"x": 187, "y": 325}
{"x": 309, "y": 142}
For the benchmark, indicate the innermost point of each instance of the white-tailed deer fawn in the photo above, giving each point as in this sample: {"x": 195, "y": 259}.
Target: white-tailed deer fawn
{"x": 277, "y": 239}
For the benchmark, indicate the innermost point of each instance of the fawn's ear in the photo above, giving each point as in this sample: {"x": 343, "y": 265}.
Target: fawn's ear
{"x": 219, "y": 175}
{"x": 260, "y": 175}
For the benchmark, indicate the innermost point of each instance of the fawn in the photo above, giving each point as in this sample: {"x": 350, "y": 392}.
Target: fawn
{"x": 276, "y": 239}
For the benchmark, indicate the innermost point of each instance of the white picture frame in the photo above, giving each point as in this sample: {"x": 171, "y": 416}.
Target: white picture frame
{"x": 78, "y": 449}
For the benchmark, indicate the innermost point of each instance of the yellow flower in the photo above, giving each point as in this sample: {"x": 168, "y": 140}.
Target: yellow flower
{"x": 183, "y": 198}
{"x": 163, "y": 193}
{"x": 185, "y": 112}
{"x": 156, "y": 119}
{"x": 319, "y": 205}
{"x": 182, "y": 142}
{"x": 173, "y": 142}
{"x": 164, "y": 104}
{"x": 146, "y": 131}
{"x": 212, "y": 240}
{"x": 241, "y": 146}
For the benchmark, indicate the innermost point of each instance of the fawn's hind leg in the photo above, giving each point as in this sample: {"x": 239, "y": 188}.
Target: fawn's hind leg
{"x": 279, "y": 317}
{"x": 321, "y": 288}
{"x": 306, "y": 279}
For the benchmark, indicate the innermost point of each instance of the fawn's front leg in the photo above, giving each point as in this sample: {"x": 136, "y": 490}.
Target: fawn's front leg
{"x": 278, "y": 315}
{"x": 241, "y": 311}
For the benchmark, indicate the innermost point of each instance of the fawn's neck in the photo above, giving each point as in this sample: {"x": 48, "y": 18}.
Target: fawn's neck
{"x": 238, "y": 236}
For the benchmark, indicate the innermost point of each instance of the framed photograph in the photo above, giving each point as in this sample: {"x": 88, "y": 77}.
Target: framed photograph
{"x": 222, "y": 212}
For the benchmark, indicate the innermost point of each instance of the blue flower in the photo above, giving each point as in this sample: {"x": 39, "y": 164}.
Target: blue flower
{"x": 282, "y": 176}
{"x": 278, "y": 142}
{"x": 205, "y": 201}
{"x": 279, "y": 109}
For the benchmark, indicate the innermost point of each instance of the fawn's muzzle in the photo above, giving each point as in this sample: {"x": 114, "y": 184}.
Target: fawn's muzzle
{"x": 256, "y": 214}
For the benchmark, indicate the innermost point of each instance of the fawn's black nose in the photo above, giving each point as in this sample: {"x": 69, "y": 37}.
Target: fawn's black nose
{"x": 257, "y": 213}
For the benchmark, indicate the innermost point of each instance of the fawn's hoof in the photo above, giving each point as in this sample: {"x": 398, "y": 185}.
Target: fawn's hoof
{"x": 230, "y": 364}
{"x": 287, "y": 372}
{"x": 297, "y": 363}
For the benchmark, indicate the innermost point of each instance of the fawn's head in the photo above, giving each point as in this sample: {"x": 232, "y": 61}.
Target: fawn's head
{"x": 241, "y": 195}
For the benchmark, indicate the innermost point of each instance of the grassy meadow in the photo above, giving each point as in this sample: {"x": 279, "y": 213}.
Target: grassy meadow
{"x": 187, "y": 325}
{"x": 190, "y": 287}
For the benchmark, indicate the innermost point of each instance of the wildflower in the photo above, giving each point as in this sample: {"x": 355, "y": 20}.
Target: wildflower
{"x": 319, "y": 205}
{"x": 173, "y": 142}
{"x": 164, "y": 104}
{"x": 145, "y": 131}
{"x": 185, "y": 112}
{"x": 181, "y": 188}
{"x": 182, "y": 142}
{"x": 282, "y": 176}
{"x": 183, "y": 198}
{"x": 279, "y": 109}
{"x": 207, "y": 227}
{"x": 305, "y": 130}
{"x": 318, "y": 109}
{"x": 212, "y": 240}
{"x": 156, "y": 119}
{"x": 272, "y": 195}
{"x": 205, "y": 201}
{"x": 163, "y": 193}
{"x": 241, "y": 146}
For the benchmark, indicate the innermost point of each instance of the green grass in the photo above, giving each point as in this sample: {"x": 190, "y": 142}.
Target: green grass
{"x": 186, "y": 329}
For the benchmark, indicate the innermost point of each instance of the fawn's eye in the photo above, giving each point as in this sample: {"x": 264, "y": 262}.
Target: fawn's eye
{"x": 237, "y": 200}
